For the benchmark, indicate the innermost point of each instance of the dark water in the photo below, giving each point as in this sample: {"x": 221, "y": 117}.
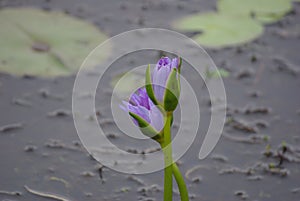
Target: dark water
{"x": 263, "y": 109}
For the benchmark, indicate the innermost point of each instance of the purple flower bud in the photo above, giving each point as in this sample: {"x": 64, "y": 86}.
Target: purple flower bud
{"x": 161, "y": 74}
{"x": 141, "y": 104}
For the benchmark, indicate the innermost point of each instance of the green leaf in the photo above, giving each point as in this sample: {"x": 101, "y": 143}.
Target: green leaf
{"x": 47, "y": 44}
{"x": 145, "y": 127}
{"x": 269, "y": 19}
{"x": 220, "y": 30}
{"x": 172, "y": 92}
{"x": 266, "y": 11}
{"x": 149, "y": 87}
{"x": 179, "y": 64}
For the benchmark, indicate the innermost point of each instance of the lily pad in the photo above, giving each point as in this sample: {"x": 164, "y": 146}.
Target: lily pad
{"x": 266, "y": 11}
{"x": 47, "y": 44}
{"x": 220, "y": 30}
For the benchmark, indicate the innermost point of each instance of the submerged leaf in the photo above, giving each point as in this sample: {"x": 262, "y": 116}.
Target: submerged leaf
{"x": 219, "y": 73}
{"x": 129, "y": 84}
{"x": 48, "y": 44}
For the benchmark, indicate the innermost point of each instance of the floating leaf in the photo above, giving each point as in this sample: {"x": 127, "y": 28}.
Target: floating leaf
{"x": 269, "y": 18}
{"x": 220, "y": 30}
{"x": 266, "y": 11}
{"x": 128, "y": 83}
{"x": 47, "y": 44}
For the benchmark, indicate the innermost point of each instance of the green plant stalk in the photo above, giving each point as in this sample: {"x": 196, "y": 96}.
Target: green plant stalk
{"x": 180, "y": 182}
{"x": 167, "y": 150}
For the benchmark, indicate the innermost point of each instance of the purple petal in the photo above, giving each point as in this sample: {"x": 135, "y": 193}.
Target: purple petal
{"x": 175, "y": 63}
{"x": 166, "y": 61}
{"x": 134, "y": 99}
{"x": 159, "y": 81}
{"x": 144, "y": 99}
{"x": 141, "y": 111}
{"x": 156, "y": 118}
{"x": 163, "y": 62}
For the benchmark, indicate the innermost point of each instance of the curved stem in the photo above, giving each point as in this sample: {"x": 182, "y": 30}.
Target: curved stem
{"x": 167, "y": 150}
{"x": 180, "y": 182}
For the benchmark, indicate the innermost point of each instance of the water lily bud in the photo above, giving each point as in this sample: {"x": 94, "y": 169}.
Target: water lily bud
{"x": 144, "y": 113}
{"x": 163, "y": 86}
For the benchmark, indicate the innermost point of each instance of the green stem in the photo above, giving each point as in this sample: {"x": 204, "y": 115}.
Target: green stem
{"x": 180, "y": 182}
{"x": 167, "y": 150}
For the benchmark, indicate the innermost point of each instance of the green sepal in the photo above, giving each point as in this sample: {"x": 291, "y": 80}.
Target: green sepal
{"x": 172, "y": 91}
{"x": 149, "y": 86}
{"x": 179, "y": 64}
{"x": 145, "y": 127}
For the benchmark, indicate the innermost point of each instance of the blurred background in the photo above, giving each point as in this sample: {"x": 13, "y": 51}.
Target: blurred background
{"x": 255, "y": 45}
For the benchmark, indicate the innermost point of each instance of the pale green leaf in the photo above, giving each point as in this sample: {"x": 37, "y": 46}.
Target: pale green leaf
{"x": 220, "y": 30}
{"x": 48, "y": 44}
{"x": 219, "y": 73}
{"x": 266, "y": 11}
